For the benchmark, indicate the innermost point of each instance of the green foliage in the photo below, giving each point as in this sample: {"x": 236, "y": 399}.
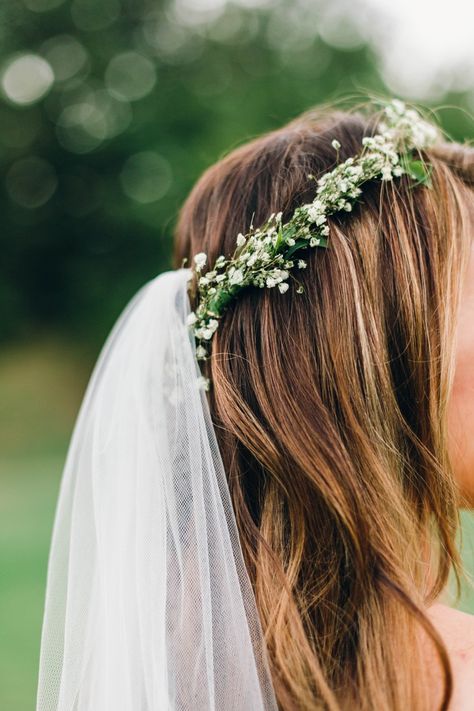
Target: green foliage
{"x": 94, "y": 172}
{"x": 74, "y": 261}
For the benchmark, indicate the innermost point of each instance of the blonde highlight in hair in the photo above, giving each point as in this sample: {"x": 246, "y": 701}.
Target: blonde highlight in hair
{"x": 330, "y": 412}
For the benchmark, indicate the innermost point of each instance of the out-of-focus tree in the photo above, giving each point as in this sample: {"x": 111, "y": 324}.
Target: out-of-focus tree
{"x": 112, "y": 109}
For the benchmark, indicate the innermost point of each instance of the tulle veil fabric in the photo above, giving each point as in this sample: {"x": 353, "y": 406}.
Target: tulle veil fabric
{"x": 148, "y": 603}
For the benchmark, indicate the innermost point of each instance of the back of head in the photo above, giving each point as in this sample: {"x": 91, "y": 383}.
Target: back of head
{"x": 330, "y": 411}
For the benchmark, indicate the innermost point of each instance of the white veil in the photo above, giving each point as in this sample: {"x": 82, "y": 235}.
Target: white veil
{"x": 148, "y": 603}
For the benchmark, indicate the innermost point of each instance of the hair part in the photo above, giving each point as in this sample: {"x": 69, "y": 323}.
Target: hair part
{"x": 330, "y": 413}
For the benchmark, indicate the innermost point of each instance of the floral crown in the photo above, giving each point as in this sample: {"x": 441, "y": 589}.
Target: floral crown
{"x": 264, "y": 255}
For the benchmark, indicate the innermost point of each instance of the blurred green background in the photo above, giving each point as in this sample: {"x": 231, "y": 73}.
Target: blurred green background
{"x": 109, "y": 112}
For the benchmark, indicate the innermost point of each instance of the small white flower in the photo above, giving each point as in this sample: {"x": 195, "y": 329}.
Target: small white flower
{"x": 203, "y": 281}
{"x": 191, "y": 319}
{"x": 299, "y": 290}
{"x": 237, "y": 277}
{"x": 203, "y": 383}
{"x": 283, "y": 287}
{"x": 398, "y": 105}
{"x": 208, "y": 330}
{"x": 302, "y": 264}
{"x": 200, "y": 260}
{"x": 314, "y": 241}
{"x": 240, "y": 240}
{"x": 201, "y": 353}
{"x": 387, "y": 172}
{"x": 335, "y": 144}
{"x": 314, "y": 213}
{"x": 398, "y": 170}
{"x": 347, "y": 207}
{"x": 290, "y": 241}
{"x": 325, "y": 230}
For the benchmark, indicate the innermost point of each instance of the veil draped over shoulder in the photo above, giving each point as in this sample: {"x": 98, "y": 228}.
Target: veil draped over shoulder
{"x": 149, "y": 606}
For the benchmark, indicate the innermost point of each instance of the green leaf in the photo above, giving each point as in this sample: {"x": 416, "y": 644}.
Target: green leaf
{"x": 418, "y": 170}
{"x": 279, "y": 239}
{"x": 220, "y": 302}
{"x": 300, "y": 243}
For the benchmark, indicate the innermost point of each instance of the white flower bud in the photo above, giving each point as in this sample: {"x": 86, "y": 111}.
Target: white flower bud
{"x": 203, "y": 383}
{"x": 283, "y": 287}
{"x": 200, "y": 260}
{"x": 237, "y": 277}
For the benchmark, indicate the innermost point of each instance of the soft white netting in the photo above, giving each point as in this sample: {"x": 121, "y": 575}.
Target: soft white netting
{"x": 148, "y": 605}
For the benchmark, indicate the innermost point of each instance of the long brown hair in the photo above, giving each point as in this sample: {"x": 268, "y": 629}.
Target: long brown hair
{"x": 330, "y": 412}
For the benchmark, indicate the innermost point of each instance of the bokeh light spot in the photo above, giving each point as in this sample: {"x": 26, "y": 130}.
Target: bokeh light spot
{"x": 130, "y": 75}
{"x": 66, "y": 56}
{"x": 31, "y": 182}
{"x": 146, "y": 177}
{"x": 81, "y": 127}
{"x": 27, "y": 78}
{"x": 91, "y": 119}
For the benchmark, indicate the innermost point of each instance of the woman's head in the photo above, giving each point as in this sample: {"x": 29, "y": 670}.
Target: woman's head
{"x": 331, "y": 407}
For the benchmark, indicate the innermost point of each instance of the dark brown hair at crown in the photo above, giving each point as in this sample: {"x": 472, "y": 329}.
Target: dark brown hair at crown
{"x": 329, "y": 409}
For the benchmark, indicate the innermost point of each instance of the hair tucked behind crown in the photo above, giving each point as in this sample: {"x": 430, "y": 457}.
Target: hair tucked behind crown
{"x": 330, "y": 411}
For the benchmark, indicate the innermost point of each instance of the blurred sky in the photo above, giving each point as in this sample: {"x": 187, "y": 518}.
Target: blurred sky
{"x": 426, "y": 47}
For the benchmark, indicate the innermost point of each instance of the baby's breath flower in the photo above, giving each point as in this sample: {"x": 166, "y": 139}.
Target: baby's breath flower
{"x": 237, "y": 277}
{"x": 201, "y": 353}
{"x": 265, "y": 255}
{"x": 203, "y": 383}
{"x": 200, "y": 260}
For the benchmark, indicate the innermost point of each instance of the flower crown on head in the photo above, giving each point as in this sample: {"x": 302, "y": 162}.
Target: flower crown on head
{"x": 264, "y": 256}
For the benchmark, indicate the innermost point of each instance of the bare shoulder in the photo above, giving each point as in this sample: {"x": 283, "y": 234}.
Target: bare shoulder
{"x": 457, "y": 630}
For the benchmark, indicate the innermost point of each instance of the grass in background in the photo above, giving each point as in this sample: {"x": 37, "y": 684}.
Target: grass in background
{"x": 40, "y": 391}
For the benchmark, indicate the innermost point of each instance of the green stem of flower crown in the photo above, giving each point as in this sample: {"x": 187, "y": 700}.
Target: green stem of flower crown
{"x": 264, "y": 256}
